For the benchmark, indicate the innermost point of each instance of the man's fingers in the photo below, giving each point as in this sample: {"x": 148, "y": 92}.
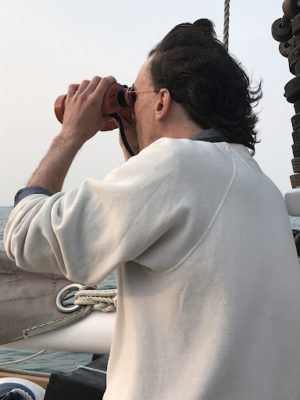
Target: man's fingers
{"x": 84, "y": 84}
{"x": 103, "y": 86}
{"x": 72, "y": 89}
{"x": 93, "y": 84}
{"x": 97, "y": 87}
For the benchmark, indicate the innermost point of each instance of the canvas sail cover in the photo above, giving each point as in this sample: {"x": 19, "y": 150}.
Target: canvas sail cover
{"x": 28, "y": 302}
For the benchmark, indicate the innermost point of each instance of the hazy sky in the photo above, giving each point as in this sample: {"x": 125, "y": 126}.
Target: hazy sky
{"x": 47, "y": 44}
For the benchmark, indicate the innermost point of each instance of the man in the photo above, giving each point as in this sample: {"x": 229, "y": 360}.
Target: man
{"x": 208, "y": 277}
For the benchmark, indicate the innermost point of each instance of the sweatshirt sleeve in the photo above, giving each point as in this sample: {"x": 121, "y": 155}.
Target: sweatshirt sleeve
{"x": 86, "y": 233}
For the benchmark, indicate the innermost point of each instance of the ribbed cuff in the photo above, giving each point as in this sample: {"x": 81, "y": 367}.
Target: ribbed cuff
{"x": 28, "y": 191}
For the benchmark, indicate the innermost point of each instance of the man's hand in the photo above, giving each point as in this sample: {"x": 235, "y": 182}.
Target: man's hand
{"x": 83, "y": 117}
{"x": 82, "y": 120}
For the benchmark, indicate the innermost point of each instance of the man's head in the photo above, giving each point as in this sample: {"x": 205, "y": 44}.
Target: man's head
{"x": 193, "y": 81}
{"x": 157, "y": 113}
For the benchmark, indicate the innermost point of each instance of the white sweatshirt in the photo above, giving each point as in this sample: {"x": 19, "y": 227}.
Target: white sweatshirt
{"x": 208, "y": 277}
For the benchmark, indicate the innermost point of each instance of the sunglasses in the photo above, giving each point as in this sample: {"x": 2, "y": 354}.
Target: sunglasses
{"x": 132, "y": 93}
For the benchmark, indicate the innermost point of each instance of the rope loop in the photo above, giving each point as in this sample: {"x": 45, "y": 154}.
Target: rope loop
{"x": 104, "y": 300}
{"x": 22, "y": 394}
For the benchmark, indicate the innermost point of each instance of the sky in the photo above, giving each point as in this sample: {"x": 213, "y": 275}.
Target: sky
{"x": 45, "y": 45}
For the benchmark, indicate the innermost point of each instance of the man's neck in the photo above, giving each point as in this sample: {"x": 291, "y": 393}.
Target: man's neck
{"x": 182, "y": 131}
{"x": 172, "y": 131}
{"x": 176, "y": 124}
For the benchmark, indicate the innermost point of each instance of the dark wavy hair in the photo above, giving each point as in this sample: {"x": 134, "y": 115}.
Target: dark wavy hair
{"x": 211, "y": 86}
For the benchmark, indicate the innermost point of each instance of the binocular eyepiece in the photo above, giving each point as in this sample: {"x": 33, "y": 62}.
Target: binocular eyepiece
{"x": 119, "y": 99}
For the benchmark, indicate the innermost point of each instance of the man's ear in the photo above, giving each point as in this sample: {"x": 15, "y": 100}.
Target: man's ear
{"x": 163, "y": 103}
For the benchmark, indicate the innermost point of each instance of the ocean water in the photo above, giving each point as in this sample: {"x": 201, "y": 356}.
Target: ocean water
{"x": 49, "y": 361}
{"x": 4, "y": 213}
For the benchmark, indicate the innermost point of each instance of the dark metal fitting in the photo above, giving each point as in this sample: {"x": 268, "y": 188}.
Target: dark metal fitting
{"x": 296, "y": 136}
{"x": 296, "y": 122}
{"x": 295, "y": 180}
{"x": 285, "y": 48}
{"x": 294, "y": 57}
{"x": 282, "y": 30}
{"x": 290, "y": 8}
{"x": 292, "y": 90}
{"x": 296, "y": 25}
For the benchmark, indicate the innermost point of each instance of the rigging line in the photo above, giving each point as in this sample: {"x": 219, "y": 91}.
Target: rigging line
{"x": 23, "y": 359}
{"x": 25, "y": 371}
{"x": 226, "y": 24}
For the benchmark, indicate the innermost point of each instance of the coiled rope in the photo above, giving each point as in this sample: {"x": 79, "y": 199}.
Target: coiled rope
{"x": 226, "y": 24}
{"x": 101, "y": 299}
{"x": 22, "y": 394}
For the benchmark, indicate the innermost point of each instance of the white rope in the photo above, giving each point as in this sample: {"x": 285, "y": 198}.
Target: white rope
{"x": 25, "y": 395}
{"x": 97, "y": 371}
{"x": 23, "y": 359}
{"x": 102, "y": 300}
{"x": 226, "y": 24}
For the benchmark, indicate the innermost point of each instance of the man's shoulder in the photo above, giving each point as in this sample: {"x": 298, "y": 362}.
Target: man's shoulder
{"x": 168, "y": 157}
{"x": 189, "y": 152}
{"x": 162, "y": 151}
{"x": 173, "y": 148}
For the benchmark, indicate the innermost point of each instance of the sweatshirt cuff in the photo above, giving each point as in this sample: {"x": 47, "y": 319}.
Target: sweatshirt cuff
{"x": 28, "y": 191}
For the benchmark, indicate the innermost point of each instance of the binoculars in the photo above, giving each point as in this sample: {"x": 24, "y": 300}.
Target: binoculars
{"x": 119, "y": 99}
